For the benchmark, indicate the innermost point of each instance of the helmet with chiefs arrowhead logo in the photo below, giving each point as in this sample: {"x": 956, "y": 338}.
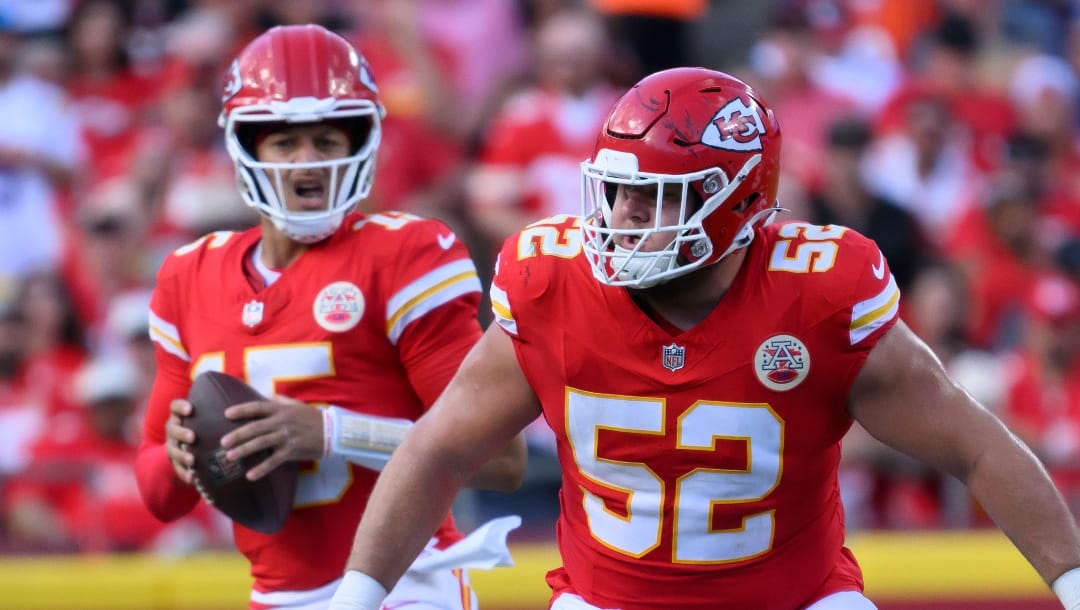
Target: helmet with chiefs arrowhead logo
{"x": 302, "y": 74}
{"x": 703, "y": 133}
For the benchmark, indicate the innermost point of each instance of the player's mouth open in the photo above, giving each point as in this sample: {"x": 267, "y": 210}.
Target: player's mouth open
{"x": 310, "y": 193}
{"x": 629, "y": 241}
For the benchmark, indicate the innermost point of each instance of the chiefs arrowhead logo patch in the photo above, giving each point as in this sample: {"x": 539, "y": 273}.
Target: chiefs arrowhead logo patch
{"x": 737, "y": 126}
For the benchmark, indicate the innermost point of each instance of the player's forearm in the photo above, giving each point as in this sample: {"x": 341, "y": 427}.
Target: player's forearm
{"x": 1015, "y": 490}
{"x": 411, "y": 499}
{"x": 505, "y": 471}
{"x": 166, "y": 497}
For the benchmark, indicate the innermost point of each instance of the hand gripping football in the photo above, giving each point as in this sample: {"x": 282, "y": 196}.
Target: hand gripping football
{"x": 261, "y": 505}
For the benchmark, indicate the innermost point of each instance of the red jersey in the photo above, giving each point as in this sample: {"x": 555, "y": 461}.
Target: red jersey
{"x": 375, "y": 318}
{"x": 699, "y": 467}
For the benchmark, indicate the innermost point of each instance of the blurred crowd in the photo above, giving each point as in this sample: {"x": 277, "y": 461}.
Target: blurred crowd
{"x": 946, "y": 130}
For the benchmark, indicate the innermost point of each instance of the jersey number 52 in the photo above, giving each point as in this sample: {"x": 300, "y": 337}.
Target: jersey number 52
{"x": 694, "y": 493}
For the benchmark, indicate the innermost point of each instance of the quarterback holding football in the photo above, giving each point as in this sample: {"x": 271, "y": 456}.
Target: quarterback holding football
{"x": 351, "y": 324}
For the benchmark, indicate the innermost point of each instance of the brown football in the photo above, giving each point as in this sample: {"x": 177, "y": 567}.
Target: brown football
{"x": 262, "y": 505}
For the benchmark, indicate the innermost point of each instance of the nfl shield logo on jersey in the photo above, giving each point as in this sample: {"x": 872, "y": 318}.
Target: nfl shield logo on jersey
{"x": 253, "y": 314}
{"x": 781, "y": 362}
{"x": 674, "y": 357}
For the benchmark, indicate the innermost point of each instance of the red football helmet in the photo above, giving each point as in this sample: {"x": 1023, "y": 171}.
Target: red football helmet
{"x": 708, "y": 135}
{"x": 302, "y": 74}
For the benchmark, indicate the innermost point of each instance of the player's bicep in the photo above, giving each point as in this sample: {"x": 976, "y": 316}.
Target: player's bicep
{"x": 904, "y": 398}
{"x": 484, "y": 406}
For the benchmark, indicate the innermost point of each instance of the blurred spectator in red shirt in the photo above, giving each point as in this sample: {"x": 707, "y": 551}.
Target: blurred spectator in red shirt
{"x": 183, "y": 165}
{"x": 126, "y": 330}
{"x": 782, "y": 62}
{"x": 854, "y": 58}
{"x": 111, "y": 249}
{"x": 529, "y": 164}
{"x": 419, "y": 163}
{"x": 1043, "y": 399}
{"x": 42, "y": 346}
{"x": 55, "y": 343}
{"x": 998, "y": 248}
{"x": 79, "y": 494}
{"x": 948, "y": 63}
{"x": 21, "y": 418}
{"x": 925, "y": 167}
{"x": 111, "y": 98}
{"x": 1046, "y": 92}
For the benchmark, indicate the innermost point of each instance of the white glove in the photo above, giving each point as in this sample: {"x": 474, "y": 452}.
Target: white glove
{"x": 358, "y": 591}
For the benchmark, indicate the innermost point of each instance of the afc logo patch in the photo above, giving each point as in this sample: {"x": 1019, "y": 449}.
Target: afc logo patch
{"x": 339, "y": 307}
{"x": 737, "y": 126}
{"x": 781, "y": 362}
{"x": 673, "y": 357}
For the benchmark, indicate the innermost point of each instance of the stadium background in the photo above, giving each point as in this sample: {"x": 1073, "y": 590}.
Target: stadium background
{"x": 944, "y": 129}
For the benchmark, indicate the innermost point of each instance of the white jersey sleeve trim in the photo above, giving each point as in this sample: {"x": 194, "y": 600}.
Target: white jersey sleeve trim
{"x": 871, "y": 314}
{"x": 431, "y": 290}
{"x": 166, "y": 335}
{"x": 500, "y": 306}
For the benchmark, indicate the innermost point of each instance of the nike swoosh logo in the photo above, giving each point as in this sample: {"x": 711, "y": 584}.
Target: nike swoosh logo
{"x": 879, "y": 269}
{"x": 445, "y": 241}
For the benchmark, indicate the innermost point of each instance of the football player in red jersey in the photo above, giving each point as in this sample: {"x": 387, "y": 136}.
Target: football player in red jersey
{"x": 366, "y": 317}
{"x": 700, "y": 367}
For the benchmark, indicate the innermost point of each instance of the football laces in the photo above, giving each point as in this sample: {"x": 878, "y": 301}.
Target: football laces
{"x": 201, "y": 489}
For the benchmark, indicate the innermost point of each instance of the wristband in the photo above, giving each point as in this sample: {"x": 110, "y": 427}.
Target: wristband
{"x": 366, "y": 440}
{"x": 367, "y": 432}
{"x": 328, "y": 431}
{"x": 358, "y": 591}
{"x": 1067, "y": 589}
